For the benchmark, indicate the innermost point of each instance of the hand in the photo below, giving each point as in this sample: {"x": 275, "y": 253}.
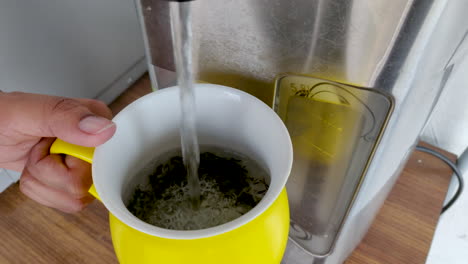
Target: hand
{"x": 29, "y": 123}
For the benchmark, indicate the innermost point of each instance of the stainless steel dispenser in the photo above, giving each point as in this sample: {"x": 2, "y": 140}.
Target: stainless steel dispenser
{"x": 355, "y": 81}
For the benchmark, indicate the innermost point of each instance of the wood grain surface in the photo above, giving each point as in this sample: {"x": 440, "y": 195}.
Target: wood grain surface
{"x": 404, "y": 228}
{"x": 402, "y": 233}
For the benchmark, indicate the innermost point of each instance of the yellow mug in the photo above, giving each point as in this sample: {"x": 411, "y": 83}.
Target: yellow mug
{"x": 149, "y": 127}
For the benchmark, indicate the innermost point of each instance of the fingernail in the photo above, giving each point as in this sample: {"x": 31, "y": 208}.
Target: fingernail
{"x": 95, "y": 124}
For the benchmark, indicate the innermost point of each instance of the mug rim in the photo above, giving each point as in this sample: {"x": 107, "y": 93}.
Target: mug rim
{"x": 122, "y": 213}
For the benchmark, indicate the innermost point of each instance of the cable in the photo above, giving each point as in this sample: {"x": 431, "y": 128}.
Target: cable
{"x": 455, "y": 169}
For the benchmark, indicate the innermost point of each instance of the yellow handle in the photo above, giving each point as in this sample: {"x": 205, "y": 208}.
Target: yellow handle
{"x": 84, "y": 153}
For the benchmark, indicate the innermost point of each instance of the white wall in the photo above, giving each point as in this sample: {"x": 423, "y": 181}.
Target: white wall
{"x": 68, "y": 47}
{"x": 448, "y": 126}
{"x": 7, "y": 178}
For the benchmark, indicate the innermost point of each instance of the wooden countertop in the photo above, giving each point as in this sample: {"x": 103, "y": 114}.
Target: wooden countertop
{"x": 402, "y": 232}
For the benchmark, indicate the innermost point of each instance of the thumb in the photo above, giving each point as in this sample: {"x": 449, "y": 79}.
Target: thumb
{"x": 76, "y": 121}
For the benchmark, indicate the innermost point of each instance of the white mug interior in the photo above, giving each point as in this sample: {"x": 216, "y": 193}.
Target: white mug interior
{"x": 149, "y": 127}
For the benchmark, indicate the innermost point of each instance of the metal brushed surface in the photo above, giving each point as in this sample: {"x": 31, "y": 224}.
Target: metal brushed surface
{"x": 402, "y": 48}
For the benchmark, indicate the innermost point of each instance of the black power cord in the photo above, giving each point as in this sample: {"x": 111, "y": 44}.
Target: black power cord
{"x": 455, "y": 169}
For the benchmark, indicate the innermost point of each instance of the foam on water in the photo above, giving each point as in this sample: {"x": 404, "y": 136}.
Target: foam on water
{"x": 174, "y": 210}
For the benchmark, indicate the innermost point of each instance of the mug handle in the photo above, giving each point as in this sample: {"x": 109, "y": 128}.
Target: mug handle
{"x": 84, "y": 153}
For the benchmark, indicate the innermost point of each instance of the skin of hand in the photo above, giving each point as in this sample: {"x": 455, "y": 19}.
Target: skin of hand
{"x": 29, "y": 124}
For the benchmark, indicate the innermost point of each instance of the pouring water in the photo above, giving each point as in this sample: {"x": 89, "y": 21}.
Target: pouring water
{"x": 182, "y": 42}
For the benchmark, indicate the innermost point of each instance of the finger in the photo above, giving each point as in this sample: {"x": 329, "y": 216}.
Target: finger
{"x": 80, "y": 171}
{"x": 51, "y": 197}
{"x": 40, "y": 150}
{"x": 71, "y": 175}
{"x": 51, "y": 116}
{"x": 52, "y": 172}
{"x": 97, "y": 107}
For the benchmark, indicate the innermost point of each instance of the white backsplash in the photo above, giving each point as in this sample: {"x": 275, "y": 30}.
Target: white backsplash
{"x": 7, "y": 178}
